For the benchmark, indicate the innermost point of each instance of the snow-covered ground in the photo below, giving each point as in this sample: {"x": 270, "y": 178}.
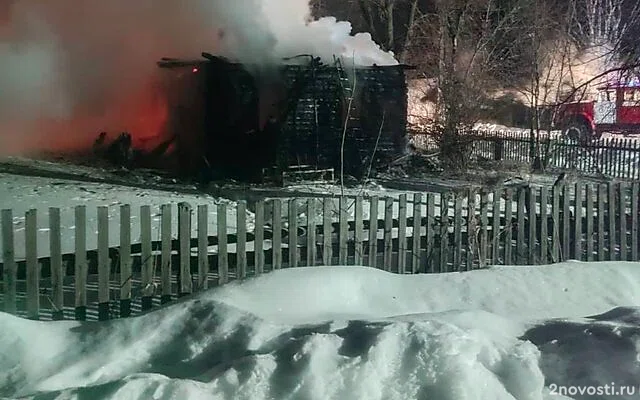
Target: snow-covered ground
{"x": 22, "y": 193}
{"x": 351, "y": 333}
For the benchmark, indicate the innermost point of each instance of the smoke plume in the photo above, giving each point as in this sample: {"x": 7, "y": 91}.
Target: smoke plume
{"x": 69, "y": 68}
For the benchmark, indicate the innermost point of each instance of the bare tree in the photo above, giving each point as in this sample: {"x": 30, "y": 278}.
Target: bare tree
{"x": 391, "y": 23}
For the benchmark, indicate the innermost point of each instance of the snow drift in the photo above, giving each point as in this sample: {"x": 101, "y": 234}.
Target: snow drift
{"x": 347, "y": 332}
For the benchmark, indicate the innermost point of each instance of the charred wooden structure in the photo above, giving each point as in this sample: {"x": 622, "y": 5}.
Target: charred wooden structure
{"x": 232, "y": 120}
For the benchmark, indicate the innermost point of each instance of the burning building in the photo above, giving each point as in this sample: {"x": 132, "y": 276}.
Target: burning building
{"x": 235, "y": 120}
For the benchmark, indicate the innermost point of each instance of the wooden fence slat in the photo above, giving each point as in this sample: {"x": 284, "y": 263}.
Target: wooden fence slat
{"x": 520, "y": 232}
{"x": 402, "y": 234}
{"x": 533, "y": 221}
{"x": 472, "y": 245}
{"x": 185, "y": 283}
{"x": 508, "y": 227}
{"x": 430, "y": 232}
{"x": 203, "y": 246}
{"x": 293, "y": 233}
{"x": 327, "y": 231}
{"x": 601, "y": 226}
{"x": 484, "y": 229}
{"x": 258, "y": 242}
{"x": 457, "y": 231}
{"x": 373, "y": 232}
{"x": 622, "y": 193}
{"x": 635, "y": 198}
{"x": 311, "y": 232}
{"x": 566, "y": 220}
{"x": 343, "y": 229}
{"x": 147, "y": 257}
{"x": 104, "y": 264}
{"x": 416, "y": 238}
{"x": 589, "y": 220}
{"x": 276, "y": 225}
{"x": 241, "y": 241}
{"x": 33, "y": 266}
{"x": 81, "y": 267}
{"x": 125, "y": 261}
{"x": 612, "y": 220}
{"x": 223, "y": 254}
{"x": 57, "y": 270}
{"x": 10, "y": 270}
{"x": 555, "y": 235}
{"x": 388, "y": 232}
{"x": 359, "y": 232}
{"x": 577, "y": 237}
{"x": 444, "y": 233}
{"x": 495, "y": 226}
{"x": 165, "y": 269}
{"x": 544, "y": 225}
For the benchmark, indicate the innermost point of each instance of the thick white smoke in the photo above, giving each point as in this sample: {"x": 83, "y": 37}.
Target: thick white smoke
{"x": 70, "y": 68}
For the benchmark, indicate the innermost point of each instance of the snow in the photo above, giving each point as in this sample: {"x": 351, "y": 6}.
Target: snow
{"x": 349, "y": 333}
{"x": 22, "y": 193}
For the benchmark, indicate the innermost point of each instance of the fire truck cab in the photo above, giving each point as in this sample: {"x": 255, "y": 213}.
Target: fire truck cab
{"x": 616, "y": 109}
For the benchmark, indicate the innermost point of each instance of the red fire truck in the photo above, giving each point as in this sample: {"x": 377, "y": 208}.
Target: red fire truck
{"x": 616, "y": 109}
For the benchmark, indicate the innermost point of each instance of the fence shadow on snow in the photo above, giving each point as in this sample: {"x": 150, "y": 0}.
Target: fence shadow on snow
{"x": 413, "y": 233}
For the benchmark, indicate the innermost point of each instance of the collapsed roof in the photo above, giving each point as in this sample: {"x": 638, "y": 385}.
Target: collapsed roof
{"x": 233, "y": 120}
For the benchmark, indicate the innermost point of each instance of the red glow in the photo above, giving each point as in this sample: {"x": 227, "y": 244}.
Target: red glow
{"x": 195, "y": 69}
{"x": 143, "y": 114}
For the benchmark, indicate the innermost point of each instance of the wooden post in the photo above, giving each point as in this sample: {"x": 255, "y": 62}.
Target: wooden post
{"x": 343, "y": 231}
{"x": 508, "y": 227}
{"x": 10, "y": 270}
{"x": 555, "y": 235}
{"x": 223, "y": 255}
{"x": 57, "y": 270}
{"x": 533, "y": 221}
{"x": 81, "y": 266}
{"x": 472, "y": 244}
{"x": 258, "y": 241}
{"x": 416, "y": 242}
{"x": 358, "y": 232}
{"x": 444, "y": 232}
{"x": 203, "y": 246}
{"x": 293, "y": 233}
{"x": 635, "y": 198}
{"x": 165, "y": 211}
{"x": 612, "y": 221}
{"x": 589, "y": 220}
{"x": 602, "y": 194}
{"x": 276, "y": 224}
{"x": 327, "y": 228}
{"x": 147, "y": 258}
{"x": 520, "y": 234}
{"x": 577, "y": 239}
{"x": 566, "y": 220}
{"x": 33, "y": 266}
{"x": 311, "y": 232}
{"x": 388, "y": 231}
{"x": 241, "y": 239}
{"x": 496, "y": 226}
{"x": 457, "y": 232}
{"x": 104, "y": 264}
{"x": 373, "y": 231}
{"x": 402, "y": 234}
{"x": 544, "y": 225}
{"x": 185, "y": 283}
{"x": 430, "y": 231}
{"x": 125, "y": 261}
{"x": 484, "y": 229}
{"x": 624, "y": 251}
